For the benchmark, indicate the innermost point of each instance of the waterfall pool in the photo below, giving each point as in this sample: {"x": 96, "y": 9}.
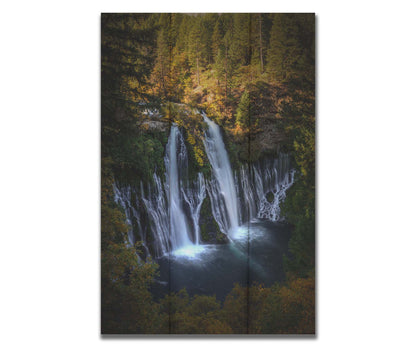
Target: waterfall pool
{"x": 254, "y": 255}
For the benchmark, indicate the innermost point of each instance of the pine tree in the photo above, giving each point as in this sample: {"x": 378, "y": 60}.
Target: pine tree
{"x": 161, "y": 71}
{"x": 195, "y": 47}
{"x": 257, "y": 42}
{"x": 244, "y": 111}
{"x": 126, "y": 60}
{"x": 240, "y": 48}
{"x": 217, "y": 36}
{"x": 275, "y": 56}
{"x": 291, "y": 52}
{"x": 207, "y": 26}
{"x": 260, "y": 41}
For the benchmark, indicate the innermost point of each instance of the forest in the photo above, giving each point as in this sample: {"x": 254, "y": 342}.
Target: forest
{"x": 253, "y": 74}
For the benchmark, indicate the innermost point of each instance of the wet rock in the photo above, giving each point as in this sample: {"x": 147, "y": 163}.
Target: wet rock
{"x": 270, "y": 197}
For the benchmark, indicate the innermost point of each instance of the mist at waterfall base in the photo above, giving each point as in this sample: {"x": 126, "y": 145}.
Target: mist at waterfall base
{"x": 245, "y": 205}
{"x": 214, "y": 269}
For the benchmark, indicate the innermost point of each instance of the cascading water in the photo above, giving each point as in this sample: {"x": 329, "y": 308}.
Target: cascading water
{"x": 165, "y": 215}
{"x": 194, "y": 196}
{"x": 179, "y": 236}
{"x": 166, "y": 201}
{"x": 123, "y": 197}
{"x": 128, "y": 198}
{"x": 264, "y": 187}
{"x": 223, "y": 191}
{"x": 157, "y": 210}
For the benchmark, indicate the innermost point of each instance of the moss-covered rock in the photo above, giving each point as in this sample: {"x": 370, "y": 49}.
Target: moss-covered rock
{"x": 270, "y": 197}
{"x": 210, "y": 231}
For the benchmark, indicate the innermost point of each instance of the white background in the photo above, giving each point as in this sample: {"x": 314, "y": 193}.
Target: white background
{"x": 49, "y": 176}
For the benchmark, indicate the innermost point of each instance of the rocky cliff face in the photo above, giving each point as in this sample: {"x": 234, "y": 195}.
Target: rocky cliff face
{"x": 155, "y": 125}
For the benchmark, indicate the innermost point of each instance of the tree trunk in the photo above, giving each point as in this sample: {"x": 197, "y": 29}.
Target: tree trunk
{"x": 226, "y": 75}
{"x": 197, "y": 70}
{"x": 261, "y": 46}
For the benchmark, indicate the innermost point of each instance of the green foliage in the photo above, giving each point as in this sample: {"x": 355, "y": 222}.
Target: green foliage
{"x": 137, "y": 157}
{"x": 292, "y": 46}
{"x": 299, "y": 205}
{"x": 194, "y": 127}
{"x": 270, "y": 197}
{"x": 288, "y": 309}
{"x": 125, "y": 66}
{"x": 243, "y": 111}
{"x": 253, "y": 74}
{"x": 299, "y": 209}
{"x": 126, "y": 60}
{"x": 126, "y": 302}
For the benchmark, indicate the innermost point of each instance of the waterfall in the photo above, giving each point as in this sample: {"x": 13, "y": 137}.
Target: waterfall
{"x": 165, "y": 214}
{"x": 157, "y": 210}
{"x": 194, "y": 196}
{"x": 264, "y": 186}
{"x": 248, "y": 201}
{"x": 128, "y": 198}
{"x": 122, "y": 196}
{"x": 223, "y": 190}
{"x": 165, "y": 201}
{"x": 179, "y": 236}
{"x": 277, "y": 178}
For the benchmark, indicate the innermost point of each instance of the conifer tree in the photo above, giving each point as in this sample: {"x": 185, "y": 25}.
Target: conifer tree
{"x": 243, "y": 111}
{"x": 217, "y": 36}
{"x": 240, "y": 48}
{"x": 195, "y": 47}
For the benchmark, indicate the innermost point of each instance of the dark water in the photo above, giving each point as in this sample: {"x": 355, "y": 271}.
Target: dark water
{"x": 254, "y": 256}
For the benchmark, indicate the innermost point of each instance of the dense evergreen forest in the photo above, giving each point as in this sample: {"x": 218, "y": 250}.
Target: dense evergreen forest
{"x": 254, "y": 74}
